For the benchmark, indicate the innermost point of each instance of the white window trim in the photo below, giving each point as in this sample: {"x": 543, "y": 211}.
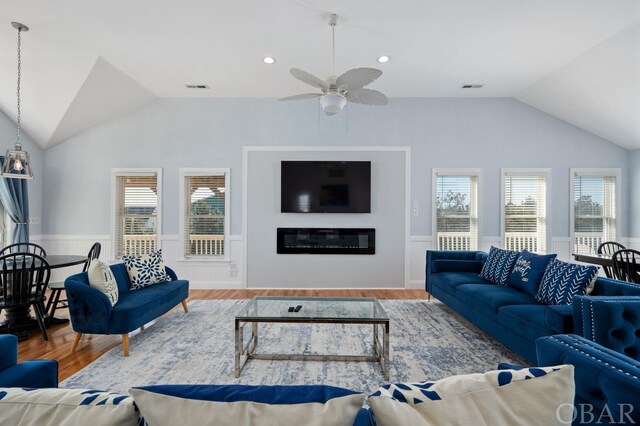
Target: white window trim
{"x": 189, "y": 171}
{"x": 115, "y": 172}
{"x": 526, "y": 172}
{"x": 616, "y": 172}
{"x": 434, "y": 191}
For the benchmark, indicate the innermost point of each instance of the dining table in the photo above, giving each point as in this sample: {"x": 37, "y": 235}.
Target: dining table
{"x": 594, "y": 258}
{"x": 18, "y": 320}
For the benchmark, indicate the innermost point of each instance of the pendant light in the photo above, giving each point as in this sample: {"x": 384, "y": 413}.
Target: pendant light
{"x": 17, "y": 163}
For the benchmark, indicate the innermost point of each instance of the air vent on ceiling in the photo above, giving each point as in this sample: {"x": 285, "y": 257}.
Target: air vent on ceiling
{"x": 197, "y": 86}
{"x": 472, "y": 86}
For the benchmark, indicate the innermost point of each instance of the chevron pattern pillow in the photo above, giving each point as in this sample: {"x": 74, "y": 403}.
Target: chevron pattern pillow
{"x": 563, "y": 281}
{"x": 498, "y": 265}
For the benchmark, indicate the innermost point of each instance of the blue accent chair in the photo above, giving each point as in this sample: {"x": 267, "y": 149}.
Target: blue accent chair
{"x": 28, "y": 374}
{"x": 607, "y": 382}
{"x": 91, "y": 311}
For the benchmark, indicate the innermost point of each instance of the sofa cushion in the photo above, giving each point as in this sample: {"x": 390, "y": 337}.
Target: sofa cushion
{"x": 488, "y": 298}
{"x": 528, "y": 271}
{"x": 138, "y": 307}
{"x": 237, "y": 405}
{"x": 448, "y": 281}
{"x": 53, "y": 407}
{"x": 146, "y": 269}
{"x": 562, "y": 281}
{"x": 559, "y": 318}
{"x": 498, "y": 265}
{"x": 529, "y": 396}
{"x": 526, "y": 320}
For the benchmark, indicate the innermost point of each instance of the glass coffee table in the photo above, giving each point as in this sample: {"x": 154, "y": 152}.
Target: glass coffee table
{"x": 317, "y": 310}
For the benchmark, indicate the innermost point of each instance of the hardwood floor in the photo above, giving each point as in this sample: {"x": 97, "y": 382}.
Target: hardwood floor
{"x": 91, "y": 347}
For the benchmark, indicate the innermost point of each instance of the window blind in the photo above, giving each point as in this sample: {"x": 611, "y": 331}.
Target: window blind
{"x": 204, "y": 215}
{"x": 136, "y": 214}
{"x": 457, "y": 212}
{"x": 525, "y": 212}
{"x": 594, "y": 209}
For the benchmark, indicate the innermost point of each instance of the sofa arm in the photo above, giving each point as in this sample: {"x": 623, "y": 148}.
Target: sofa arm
{"x": 607, "y": 382}
{"x": 451, "y": 261}
{"x": 612, "y": 321}
{"x": 31, "y": 374}
{"x": 171, "y": 273}
{"x": 89, "y": 309}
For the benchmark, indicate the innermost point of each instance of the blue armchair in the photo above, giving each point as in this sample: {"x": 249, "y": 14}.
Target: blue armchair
{"x": 91, "y": 311}
{"x": 27, "y": 374}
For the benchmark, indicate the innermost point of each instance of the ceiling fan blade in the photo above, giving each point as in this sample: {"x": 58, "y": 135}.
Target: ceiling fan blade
{"x": 357, "y": 78}
{"x": 367, "y": 97}
{"x": 301, "y": 97}
{"x": 305, "y": 77}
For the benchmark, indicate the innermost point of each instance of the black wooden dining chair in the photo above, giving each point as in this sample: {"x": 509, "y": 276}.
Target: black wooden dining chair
{"x": 24, "y": 248}
{"x": 626, "y": 265}
{"x": 23, "y": 281}
{"x": 57, "y": 287}
{"x": 609, "y": 247}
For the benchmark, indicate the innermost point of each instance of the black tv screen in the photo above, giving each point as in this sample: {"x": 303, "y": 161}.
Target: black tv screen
{"x": 325, "y": 187}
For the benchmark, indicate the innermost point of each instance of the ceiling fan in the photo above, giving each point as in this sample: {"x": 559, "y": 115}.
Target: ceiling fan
{"x": 336, "y": 91}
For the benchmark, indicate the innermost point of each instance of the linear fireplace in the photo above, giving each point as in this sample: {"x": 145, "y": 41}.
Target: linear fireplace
{"x": 326, "y": 240}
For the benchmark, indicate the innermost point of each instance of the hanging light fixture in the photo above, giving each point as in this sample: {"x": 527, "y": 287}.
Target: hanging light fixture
{"x": 17, "y": 163}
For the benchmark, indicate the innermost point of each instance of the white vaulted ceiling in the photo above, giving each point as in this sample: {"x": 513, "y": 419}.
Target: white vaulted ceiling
{"x": 88, "y": 61}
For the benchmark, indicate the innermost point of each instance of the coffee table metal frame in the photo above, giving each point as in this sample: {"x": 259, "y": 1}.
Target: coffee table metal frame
{"x": 245, "y": 352}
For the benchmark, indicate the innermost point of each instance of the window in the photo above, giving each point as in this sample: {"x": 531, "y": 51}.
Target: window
{"x": 456, "y": 209}
{"x": 137, "y": 206}
{"x": 205, "y": 225}
{"x": 593, "y": 214}
{"x": 525, "y": 209}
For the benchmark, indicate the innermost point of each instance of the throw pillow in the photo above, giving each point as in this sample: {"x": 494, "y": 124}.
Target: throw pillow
{"x": 145, "y": 270}
{"x": 53, "y": 407}
{"x": 498, "y": 265}
{"x": 237, "y": 405}
{"x": 528, "y": 271}
{"x": 562, "y": 281}
{"x": 530, "y": 396}
{"x": 101, "y": 278}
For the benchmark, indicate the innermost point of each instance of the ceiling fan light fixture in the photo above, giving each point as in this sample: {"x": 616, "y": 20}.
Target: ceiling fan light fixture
{"x": 269, "y": 60}
{"x": 384, "y": 59}
{"x": 333, "y": 102}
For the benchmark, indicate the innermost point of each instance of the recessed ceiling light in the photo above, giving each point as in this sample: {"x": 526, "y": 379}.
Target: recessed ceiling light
{"x": 384, "y": 59}
{"x": 269, "y": 60}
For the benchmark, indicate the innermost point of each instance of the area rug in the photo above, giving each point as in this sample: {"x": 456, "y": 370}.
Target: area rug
{"x": 428, "y": 341}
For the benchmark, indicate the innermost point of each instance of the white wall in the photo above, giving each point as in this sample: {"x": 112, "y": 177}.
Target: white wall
{"x": 8, "y": 138}
{"x": 634, "y": 179}
{"x": 385, "y": 268}
{"x": 486, "y": 133}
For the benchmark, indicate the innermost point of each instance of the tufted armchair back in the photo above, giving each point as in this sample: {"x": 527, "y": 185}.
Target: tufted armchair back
{"x": 613, "y": 322}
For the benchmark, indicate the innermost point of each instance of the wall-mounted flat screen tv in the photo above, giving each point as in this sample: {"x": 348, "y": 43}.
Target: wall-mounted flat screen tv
{"x": 325, "y": 187}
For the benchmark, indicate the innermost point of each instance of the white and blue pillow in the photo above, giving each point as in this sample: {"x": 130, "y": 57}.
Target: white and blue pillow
{"x": 53, "y": 407}
{"x": 563, "y": 281}
{"x": 530, "y": 396}
{"x": 238, "y": 405}
{"x": 498, "y": 265}
{"x": 528, "y": 271}
{"x": 145, "y": 270}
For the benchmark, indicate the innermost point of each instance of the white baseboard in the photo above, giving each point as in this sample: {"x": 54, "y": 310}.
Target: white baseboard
{"x": 415, "y": 285}
{"x": 215, "y": 285}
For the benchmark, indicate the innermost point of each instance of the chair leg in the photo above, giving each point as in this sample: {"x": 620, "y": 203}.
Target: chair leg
{"x": 38, "y": 308}
{"x": 55, "y": 303}
{"x": 76, "y": 340}
{"x": 125, "y": 344}
{"x": 52, "y": 295}
{"x": 184, "y": 306}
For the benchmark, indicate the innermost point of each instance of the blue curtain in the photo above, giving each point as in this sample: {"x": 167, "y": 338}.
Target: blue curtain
{"x": 15, "y": 199}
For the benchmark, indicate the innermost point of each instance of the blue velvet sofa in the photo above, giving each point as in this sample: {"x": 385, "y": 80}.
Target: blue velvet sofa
{"x": 516, "y": 319}
{"x": 91, "y": 311}
{"x": 36, "y": 373}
